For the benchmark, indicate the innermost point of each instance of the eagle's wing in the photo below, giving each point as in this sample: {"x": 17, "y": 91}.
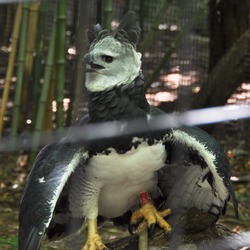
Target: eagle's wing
{"x": 197, "y": 173}
{"x": 52, "y": 168}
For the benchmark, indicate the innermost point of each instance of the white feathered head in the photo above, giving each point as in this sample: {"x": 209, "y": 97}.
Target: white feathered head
{"x": 112, "y": 59}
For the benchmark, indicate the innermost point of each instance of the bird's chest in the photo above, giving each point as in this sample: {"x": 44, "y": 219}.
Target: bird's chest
{"x": 121, "y": 177}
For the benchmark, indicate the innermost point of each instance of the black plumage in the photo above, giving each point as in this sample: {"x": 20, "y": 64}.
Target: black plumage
{"x": 123, "y": 102}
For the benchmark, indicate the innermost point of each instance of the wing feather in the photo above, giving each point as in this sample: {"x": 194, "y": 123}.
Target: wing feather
{"x": 52, "y": 168}
{"x": 204, "y": 151}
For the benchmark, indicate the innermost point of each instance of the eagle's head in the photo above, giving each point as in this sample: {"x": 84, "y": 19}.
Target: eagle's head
{"x": 112, "y": 59}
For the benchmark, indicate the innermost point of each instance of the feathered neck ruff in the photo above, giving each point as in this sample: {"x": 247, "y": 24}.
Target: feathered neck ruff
{"x": 122, "y": 102}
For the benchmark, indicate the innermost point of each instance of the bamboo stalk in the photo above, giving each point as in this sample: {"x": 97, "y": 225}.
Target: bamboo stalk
{"x": 141, "y": 17}
{"x": 19, "y": 84}
{"x": 77, "y": 13}
{"x": 29, "y": 54}
{"x": 81, "y": 47}
{"x": 48, "y": 123}
{"x": 61, "y": 30}
{"x": 38, "y": 57}
{"x": 107, "y": 14}
{"x": 31, "y": 39}
{"x": 10, "y": 67}
{"x": 99, "y": 9}
{"x": 44, "y": 95}
{"x": 7, "y": 22}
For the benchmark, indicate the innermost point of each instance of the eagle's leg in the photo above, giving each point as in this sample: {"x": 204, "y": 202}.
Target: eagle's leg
{"x": 149, "y": 213}
{"x": 94, "y": 240}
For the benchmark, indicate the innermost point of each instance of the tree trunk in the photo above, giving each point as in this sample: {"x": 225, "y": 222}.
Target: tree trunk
{"x": 81, "y": 49}
{"x": 229, "y": 52}
{"x": 226, "y": 76}
{"x": 228, "y": 21}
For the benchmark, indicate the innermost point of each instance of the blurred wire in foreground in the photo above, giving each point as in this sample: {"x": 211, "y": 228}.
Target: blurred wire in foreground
{"x": 12, "y": 1}
{"x": 239, "y": 241}
{"x": 99, "y": 131}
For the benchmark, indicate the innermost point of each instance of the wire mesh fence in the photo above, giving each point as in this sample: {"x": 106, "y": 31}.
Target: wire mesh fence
{"x": 178, "y": 80}
{"x": 188, "y": 63}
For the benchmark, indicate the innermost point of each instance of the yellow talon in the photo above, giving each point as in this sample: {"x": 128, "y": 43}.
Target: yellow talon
{"x": 94, "y": 240}
{"x": 152, "y": 216}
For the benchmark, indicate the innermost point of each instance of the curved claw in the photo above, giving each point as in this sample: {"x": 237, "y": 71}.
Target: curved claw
{"x": 149, "y": 213}
{"x": 151, "y": 229}
{"x": 132, "y": 226}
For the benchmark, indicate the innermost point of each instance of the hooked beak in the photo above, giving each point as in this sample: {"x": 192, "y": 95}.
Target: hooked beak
{"x": 91, "y": 66}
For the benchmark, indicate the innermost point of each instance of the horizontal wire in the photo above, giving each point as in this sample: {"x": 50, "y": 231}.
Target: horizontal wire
{"x": 98, "y": 131}
{"x": 14, "y": 1}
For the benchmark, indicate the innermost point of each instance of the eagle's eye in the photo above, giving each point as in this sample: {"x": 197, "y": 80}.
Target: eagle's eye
{"x": 107, "y": 59}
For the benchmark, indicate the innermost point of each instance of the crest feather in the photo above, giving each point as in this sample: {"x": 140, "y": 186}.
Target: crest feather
{"x": 128, "y": 30}
{"x": 93, "y": 32}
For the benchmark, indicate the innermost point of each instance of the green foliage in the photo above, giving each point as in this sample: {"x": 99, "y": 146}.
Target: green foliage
{"x": 10, "y": 243}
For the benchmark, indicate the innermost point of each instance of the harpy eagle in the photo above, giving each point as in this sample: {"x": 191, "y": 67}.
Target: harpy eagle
{"x": 71, "y": 181}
